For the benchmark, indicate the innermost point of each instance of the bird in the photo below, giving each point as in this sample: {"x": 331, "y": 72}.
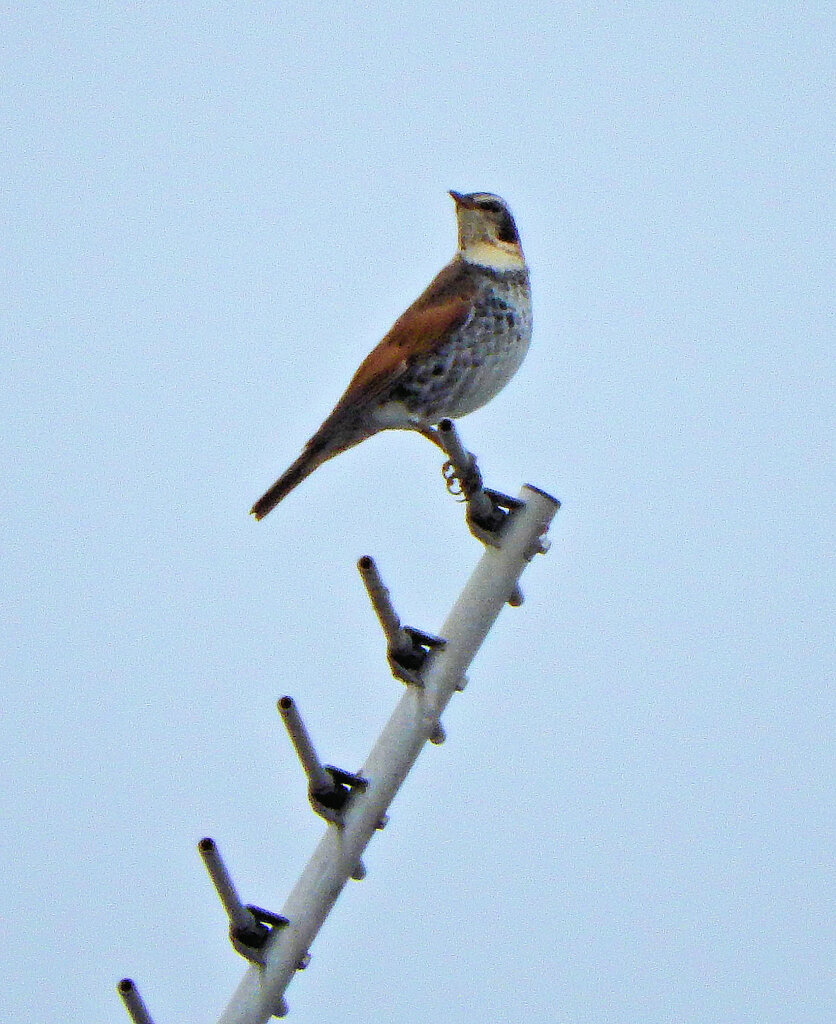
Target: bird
{"x": 448, "y": 354}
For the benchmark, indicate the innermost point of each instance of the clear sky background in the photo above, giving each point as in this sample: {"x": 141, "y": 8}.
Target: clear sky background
{"x": 210, "y": 213}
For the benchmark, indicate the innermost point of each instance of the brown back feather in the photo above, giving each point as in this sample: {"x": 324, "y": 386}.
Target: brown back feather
{"x": 444, "y": 306}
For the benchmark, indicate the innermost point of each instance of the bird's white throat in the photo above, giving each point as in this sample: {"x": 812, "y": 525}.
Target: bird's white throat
{"x": 497, "y": 257}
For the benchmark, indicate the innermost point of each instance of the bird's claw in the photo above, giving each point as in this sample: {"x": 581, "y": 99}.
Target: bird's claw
{"x": 453, "y": 482}
{"x": 462, "y": 484}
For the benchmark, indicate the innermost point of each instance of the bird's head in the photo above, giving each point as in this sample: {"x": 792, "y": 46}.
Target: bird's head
{"x": 487, "y": 232}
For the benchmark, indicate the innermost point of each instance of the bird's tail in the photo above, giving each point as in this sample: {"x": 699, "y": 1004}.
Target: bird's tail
{"x": 312, "y": 457}
{"x": 333, "y": 437}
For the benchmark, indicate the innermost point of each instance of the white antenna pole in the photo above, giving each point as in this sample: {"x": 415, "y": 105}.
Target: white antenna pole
{"x": 260, "y": 995}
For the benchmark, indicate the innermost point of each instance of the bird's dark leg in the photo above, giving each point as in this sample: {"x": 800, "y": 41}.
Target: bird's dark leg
{"x": 431, "y": 434}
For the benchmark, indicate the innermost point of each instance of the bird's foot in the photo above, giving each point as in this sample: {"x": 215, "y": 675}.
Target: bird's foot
{"x": 461, "y": 485}
{"x": 487, "y": 510}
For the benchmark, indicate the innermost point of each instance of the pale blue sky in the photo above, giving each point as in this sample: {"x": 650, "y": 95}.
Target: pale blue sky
{"x": 209, "y": 214}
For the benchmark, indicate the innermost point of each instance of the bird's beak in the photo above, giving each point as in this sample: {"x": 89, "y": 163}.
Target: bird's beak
{"x": 458, "y": 198}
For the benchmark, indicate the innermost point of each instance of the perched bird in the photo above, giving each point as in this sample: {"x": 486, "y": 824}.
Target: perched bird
{"x": 452, "y": 350}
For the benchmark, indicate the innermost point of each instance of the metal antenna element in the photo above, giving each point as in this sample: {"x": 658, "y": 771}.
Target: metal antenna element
{"x": 137, "y": 1010}
{"x": 329, "y": 788}
{"x": 487, "y": 510}
{"x": 318, "y": 778}
{"x": 406, "y": 648}
{"x": 249, "y": 927}
{"x": 414, "y": 720}
{"x": 462, "y": 471}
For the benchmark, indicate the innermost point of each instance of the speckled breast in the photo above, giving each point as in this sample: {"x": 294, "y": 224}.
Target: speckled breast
{"x": 480, "y": 357}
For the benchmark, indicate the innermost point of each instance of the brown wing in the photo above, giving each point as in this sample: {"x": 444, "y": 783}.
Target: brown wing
{"x": 441, "y": 309}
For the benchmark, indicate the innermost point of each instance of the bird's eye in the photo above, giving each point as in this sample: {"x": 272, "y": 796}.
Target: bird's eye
{"x": 507, "y": 230}
{"x": 491, "y": 205}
